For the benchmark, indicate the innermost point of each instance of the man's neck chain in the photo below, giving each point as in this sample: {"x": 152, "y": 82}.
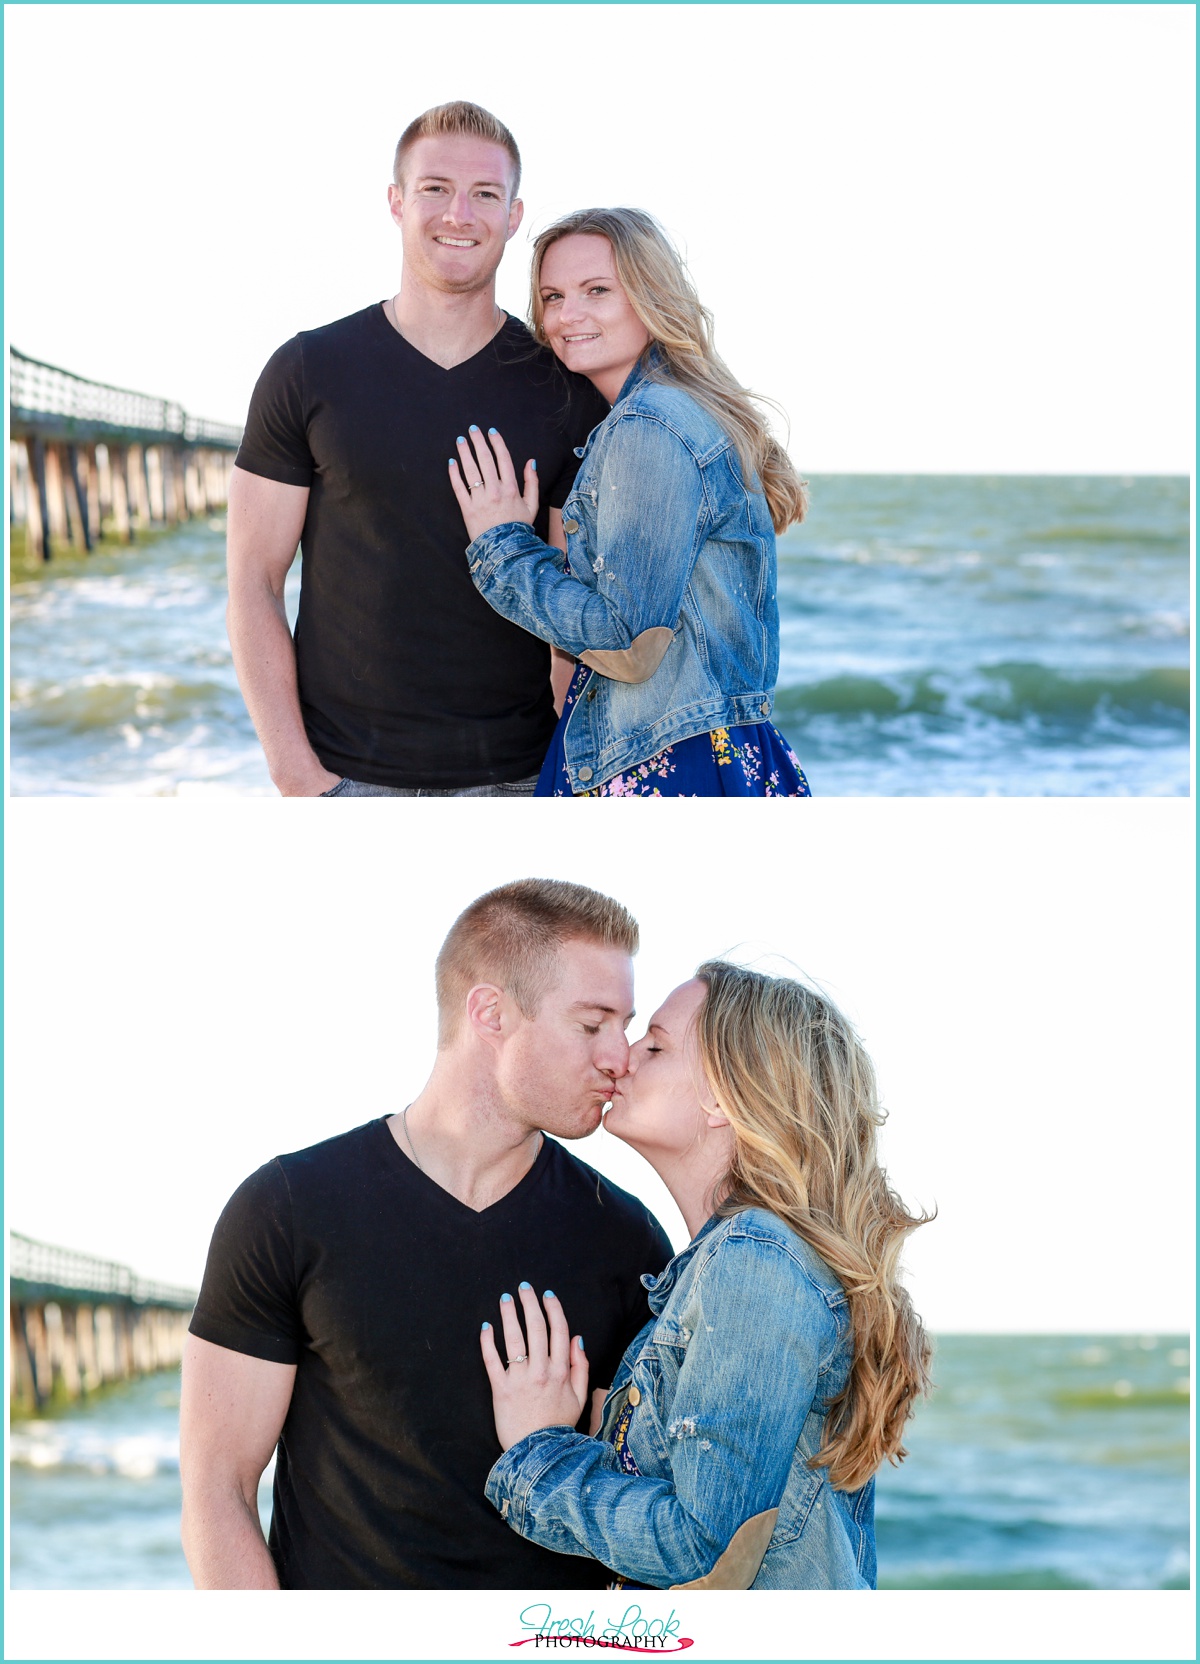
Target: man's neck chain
{"x": 390, "y": 311}
{"x": 408, "y": 1136}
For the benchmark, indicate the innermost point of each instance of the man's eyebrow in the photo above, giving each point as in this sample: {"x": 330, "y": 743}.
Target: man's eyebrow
{"x": 598, "y": 1005}
{"x": 445, "y": 179}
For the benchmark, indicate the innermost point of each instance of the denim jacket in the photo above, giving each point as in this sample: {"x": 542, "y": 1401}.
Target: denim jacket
{"x": 668, "y": 593}
{"x": 729, "y": 1381}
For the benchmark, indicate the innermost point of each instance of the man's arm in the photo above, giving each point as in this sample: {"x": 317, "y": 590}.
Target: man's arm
{"x": 562, "y": 665}
{"x": 265, "y": 522}
{"x": 231, "y": 1412}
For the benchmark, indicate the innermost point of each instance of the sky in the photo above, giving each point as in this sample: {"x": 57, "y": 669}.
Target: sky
{"x": 194, "y": 991}
{"x": 944, "y": 237}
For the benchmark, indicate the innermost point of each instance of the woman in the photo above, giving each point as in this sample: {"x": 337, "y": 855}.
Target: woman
{"x": 740, "y": 1437}
{"x": 666, "y": 595}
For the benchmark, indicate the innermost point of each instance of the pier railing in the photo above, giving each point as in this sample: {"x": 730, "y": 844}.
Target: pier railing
{"x": 40, "y": 1269}
{"x": 67, "y": 406}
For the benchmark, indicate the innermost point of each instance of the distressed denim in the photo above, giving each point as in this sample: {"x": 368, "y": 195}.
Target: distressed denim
{"x": 668, "y": 592}
{"x": 730, "y": 1380}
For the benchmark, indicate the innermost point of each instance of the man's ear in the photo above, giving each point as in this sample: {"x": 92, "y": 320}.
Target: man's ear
{"x": 396, "y": 202}
{"x": 485, "y": 1011}
{"x": 516, "y": 214}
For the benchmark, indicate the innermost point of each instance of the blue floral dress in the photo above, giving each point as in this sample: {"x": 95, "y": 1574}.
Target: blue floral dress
{"x": 753, "y": 760}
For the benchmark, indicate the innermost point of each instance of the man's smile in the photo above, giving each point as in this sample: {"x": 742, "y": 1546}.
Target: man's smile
{"x": 457, "y": 242}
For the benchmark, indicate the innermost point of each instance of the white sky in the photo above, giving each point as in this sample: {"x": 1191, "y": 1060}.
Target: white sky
{"x": 192, "y": 991}
{"x": 945, "y": 237}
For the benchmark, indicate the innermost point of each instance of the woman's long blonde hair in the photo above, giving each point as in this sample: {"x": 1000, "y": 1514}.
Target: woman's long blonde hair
{"x": 791, "y": 1075}
{"x": 662, "y": 294}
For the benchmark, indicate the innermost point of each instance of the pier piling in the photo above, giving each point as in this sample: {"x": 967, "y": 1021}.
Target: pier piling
{"x": 77, "y": 1323}
{"x": 90, "y": 460}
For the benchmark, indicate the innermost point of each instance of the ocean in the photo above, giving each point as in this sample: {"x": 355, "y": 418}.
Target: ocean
{"x": 940, "y": 635}
{"x": 1041, "y": 1462}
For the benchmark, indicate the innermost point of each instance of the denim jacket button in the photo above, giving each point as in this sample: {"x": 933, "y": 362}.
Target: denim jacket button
{"x": 570, "y": 525}
{"x": 765, "y": 708}
{"x": 585, "y": 774}
{"x": 635, "y": 1396}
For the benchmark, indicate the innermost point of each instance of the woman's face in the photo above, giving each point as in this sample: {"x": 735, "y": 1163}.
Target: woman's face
{"x": 661, "y": 1103}
{"x": 586, "y": 313}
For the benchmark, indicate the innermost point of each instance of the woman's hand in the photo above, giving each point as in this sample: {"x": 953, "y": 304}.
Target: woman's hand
{"x": 545, "y": 1383}
{"x": 486, "y": 485}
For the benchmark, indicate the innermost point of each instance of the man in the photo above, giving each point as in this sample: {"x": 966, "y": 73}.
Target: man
{"x": 346, "y": 1284}
{"x": 401, "y": 680}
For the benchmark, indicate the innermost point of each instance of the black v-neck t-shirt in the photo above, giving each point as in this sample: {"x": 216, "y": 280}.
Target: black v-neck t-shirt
{"x": 407, "y": 677}
{"x": 347, "y": 1261}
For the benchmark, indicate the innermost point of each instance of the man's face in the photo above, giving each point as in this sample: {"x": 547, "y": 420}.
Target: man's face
{"x": 454, "y": 212}
{"x": 557, "y": 1068}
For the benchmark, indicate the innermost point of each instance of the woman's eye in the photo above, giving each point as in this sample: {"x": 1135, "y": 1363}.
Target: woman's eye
{"x": 598, "y": 289}
{"x": 653, "y": 1049}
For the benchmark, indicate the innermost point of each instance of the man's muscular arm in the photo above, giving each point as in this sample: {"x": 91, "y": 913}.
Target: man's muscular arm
{"x": 231, "y": 1412}
{"x": 265, "y": 522}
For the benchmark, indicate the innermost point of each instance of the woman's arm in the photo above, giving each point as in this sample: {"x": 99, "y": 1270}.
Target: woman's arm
{"x": 746, "y": 1384}
{"x": 648, "y": 519}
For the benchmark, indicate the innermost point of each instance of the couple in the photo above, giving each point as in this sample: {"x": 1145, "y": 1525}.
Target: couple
{"x": 414, "y": 1316}
{"x": 626, "y": 580}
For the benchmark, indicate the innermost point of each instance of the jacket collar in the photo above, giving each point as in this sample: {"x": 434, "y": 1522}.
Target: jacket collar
{"x": 654, "y": 359}
{"x": 658, "y": 1289}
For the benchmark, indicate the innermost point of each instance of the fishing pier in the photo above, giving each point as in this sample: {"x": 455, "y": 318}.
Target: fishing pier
{"x": 77, "y": 1323}
{"x": 88, "y": 459}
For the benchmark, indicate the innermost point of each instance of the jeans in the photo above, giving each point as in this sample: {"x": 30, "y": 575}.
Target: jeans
{"x": 504, "y": 788}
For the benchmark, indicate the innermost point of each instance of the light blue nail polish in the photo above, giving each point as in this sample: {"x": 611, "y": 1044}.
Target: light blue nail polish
{"x": 491, "y": 430}
{"x": 581, "y": 1343}
{"x": 485, "y": 1328}
{"x": 549, "y": 1294}
{"x": 505, "y": 1297}
{"x": 526, "y": 1285}
{"x": 474, "y": 427}
{"x": 533, "y": 463}
{"x": 461, "y": 439}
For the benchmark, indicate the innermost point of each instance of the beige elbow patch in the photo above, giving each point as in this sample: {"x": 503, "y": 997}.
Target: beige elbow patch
{"x": 738, "y": 1566}
{"x": 636, "y": 663}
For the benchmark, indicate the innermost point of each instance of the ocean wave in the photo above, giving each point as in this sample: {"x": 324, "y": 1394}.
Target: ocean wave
{"x": 1007, "y": 692}
{"x": 100, "y": 701}
{"x": 43, "y": 1445}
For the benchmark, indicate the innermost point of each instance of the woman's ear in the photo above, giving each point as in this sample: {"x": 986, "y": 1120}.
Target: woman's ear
{"x": 716, "y": 1117}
